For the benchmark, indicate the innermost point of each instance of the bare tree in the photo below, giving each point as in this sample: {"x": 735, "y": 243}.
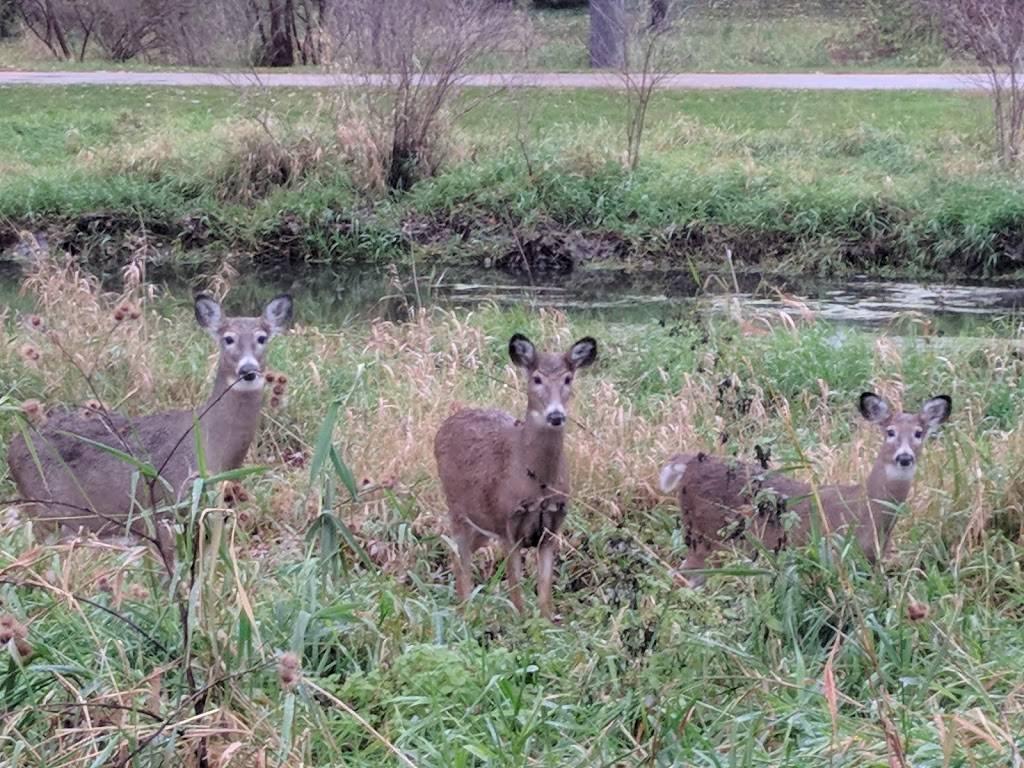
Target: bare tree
{"x": 424, "y": 47}
{"x": 42, "y": 19}
{"x": 8, "y": 19}
{"x": 607, "y": 34}
{"x": 992, "y": 32}
{"x": 647, "y": 36}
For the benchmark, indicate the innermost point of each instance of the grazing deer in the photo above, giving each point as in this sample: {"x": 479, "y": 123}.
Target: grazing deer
{"x": 724, "y": 500}
{"x": 506, "y": 479}
{"x": 67, "y": 481}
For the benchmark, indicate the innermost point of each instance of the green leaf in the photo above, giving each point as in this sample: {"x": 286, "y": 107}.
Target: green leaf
{"x": 323, "y": 442}
{"x": 235, "y": 474}
{"x": 144, "y": 467}
{"x": 344, "y": 474}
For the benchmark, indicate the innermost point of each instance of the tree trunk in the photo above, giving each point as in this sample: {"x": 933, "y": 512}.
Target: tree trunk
{"x": 607, "y": 34}
{"x": 659, "y": 12}
{"x": 54, "y": 31}
{"x": 281, "y": 52}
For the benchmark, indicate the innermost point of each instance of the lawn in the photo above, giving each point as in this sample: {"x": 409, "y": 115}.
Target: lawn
{"x": 808, "y": 658}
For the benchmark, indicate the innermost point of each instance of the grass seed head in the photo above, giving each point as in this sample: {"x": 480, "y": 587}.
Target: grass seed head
{"x": 288, "y": 670}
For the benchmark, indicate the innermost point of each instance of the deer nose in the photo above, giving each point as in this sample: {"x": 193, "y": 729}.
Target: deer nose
{"x": 905, "y": 459}
{"x": 556, "y": 419}
{"x": 248, "y": 371}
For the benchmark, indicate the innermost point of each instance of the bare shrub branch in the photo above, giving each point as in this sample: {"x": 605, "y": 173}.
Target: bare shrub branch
{"x": 992, "y": 32}
{"x": 647, "y": 32}
{"x": 424, "y": 47}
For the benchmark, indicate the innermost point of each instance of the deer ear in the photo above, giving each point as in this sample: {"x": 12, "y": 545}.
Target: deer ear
{"x": 208, "y": 313}
{"x": 278, "y": 313}
{"x": 582, "y": 353}
{"x": 522, "y": 352}
{"x": 873, "y": 408}
{"x": 936, "y": 411}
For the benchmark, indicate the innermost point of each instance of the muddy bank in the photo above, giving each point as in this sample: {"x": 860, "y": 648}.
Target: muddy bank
{"x": 541, "y": 249}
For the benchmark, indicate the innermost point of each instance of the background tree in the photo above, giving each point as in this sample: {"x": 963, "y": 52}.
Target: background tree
{"x": 607, "y": 34}
{"x": 8, "y": 19}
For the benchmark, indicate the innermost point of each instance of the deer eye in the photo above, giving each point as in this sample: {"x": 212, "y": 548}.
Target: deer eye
{"x": 229, "y": 340}
{"x": 261, "y": 339}
{"x": 890, "y": 432}
{"x": 568, "y": 380}
{"x": 918, "y": 434}
{"x": 537, "y": 380}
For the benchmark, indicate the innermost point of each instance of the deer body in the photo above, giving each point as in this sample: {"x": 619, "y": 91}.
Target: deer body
{"x": 505, "y": 479}
{"x": 724, "y": 500}
{"x": 71, "y": 483}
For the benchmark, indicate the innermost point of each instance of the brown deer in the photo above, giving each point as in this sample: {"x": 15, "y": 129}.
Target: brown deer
{"x": 723, "y": 500}
{"x": 67, "y": 481}
{"x": 506, "y": 480}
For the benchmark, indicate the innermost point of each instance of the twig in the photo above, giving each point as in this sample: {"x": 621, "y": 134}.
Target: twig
{"x": 359, "y": 719}
{"x": 159, "y": 646}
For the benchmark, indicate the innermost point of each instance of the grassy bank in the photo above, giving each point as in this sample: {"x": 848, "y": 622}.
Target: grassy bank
{"x": 814, "y": 662}
{"x": 899, "y": 183}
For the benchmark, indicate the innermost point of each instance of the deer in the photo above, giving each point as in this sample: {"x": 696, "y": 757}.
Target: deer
{"x": 506, "y": 479}
{"x": 67, "y": 481}
{"x": 723, "y": 500}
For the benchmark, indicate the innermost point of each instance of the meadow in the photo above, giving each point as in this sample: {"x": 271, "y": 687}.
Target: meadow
{"x": 322, "y": 622}
{"x": 888, "y": 183}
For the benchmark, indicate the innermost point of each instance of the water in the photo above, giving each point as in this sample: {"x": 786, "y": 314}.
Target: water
{"x": 625, "y": 295}
{"x": 857, "y": 301}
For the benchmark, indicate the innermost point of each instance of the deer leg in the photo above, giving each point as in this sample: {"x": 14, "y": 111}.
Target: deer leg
{"x": 546, "y": 573}
{"x": 696, "y": 555}
{"x": 463, "y": 566}
{"x": 514, "y": 572}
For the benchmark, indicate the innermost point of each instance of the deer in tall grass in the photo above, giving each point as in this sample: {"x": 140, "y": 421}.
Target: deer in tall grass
{"x": 724, "y": 500}
{"x": 67, "y": 480}
{"x": 506, "y": 479}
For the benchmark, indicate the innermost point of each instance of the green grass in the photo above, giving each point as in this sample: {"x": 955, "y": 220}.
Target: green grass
{"x": 639, "y": 671}
{"x": 897, "y": 183}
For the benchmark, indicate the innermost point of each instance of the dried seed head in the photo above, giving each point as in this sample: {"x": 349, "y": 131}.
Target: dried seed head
{"x": 282, "y": 379}
{"x": 103, "y": 585}
{"x": 34, "y": 323}
{"x": 138, "y": 592}
{"x": 30, "y": 353}
{"x": 270, "y": 377}
{"x": 11, "y": 629}
{"x": 288, "y": 670}
{"x": 33, "y": 410}
{"x": 93, "y": 408}
{"x": 917, "y": 611}
{"x": 279, "y": 389}
{"x": 118, "y": 315}
{"x": 275, "y": 402}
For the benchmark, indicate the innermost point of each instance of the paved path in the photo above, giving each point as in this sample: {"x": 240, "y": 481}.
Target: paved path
{"x": 787, "y": 81}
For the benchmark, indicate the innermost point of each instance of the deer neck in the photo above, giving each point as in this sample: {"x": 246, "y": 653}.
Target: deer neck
{"x": 228, "y": 420}
{"x": 540, "y": 451}
{"x": 886, "y": 489}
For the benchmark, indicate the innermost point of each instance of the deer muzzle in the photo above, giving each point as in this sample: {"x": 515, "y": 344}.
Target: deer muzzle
{"x": 248, "y": 370}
